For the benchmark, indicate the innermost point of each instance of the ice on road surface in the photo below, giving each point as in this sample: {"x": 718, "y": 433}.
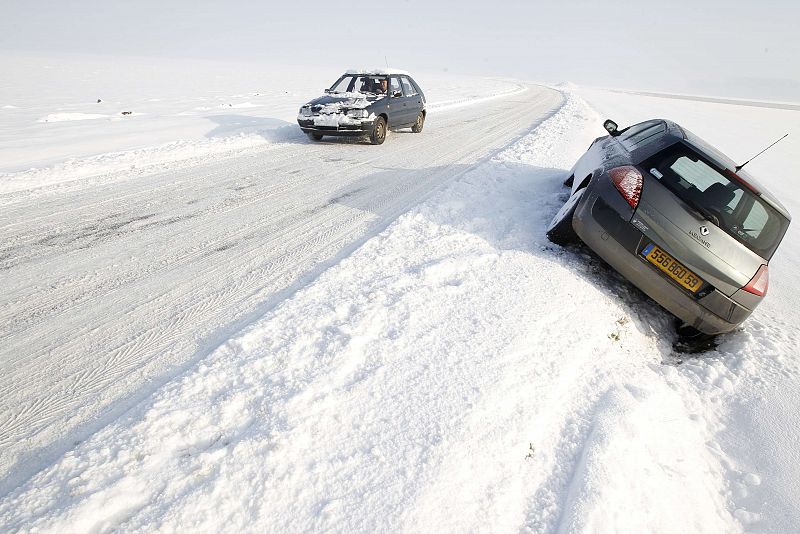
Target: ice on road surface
{"x": 115, "y": 282}
{"x": 384, "y": 340}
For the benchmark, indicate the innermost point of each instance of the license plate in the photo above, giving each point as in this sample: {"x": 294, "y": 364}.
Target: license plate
{"x": 326, "y": 119}
{"x": 672, "y": 267}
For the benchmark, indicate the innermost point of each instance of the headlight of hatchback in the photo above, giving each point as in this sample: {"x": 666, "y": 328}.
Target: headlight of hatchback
{"x": 305, "y": 111}
{"x": 357, "y": 113}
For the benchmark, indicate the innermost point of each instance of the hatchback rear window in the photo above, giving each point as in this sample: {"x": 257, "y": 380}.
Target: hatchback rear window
{"x": 726, "y": 203}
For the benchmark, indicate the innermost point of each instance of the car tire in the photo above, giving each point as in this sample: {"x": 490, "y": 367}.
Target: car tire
{"x": 378, "y": 134}
{"x": 420, "y": 122}
{"x": 314, "y": 136}
{"x": 560, "y": 230}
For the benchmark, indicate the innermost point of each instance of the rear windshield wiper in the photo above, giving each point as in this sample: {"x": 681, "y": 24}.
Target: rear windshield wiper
{"x": 708, "y": 215}
{"x": 705, "y": 213}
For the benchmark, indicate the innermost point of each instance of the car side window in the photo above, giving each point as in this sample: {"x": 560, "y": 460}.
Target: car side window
{"x": 394, "y": 86}
{"x": 408, "y": 89}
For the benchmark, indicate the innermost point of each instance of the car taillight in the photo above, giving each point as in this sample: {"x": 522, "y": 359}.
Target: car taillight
{"x": 758, "y": 284}
{"x": 629, "y": 182}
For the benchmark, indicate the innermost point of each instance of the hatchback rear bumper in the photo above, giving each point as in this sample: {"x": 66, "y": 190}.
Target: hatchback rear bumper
{"x": 617, "y": 242}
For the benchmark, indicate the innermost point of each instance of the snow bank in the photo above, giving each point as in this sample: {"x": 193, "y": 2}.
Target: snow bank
{"x": 196, "y": 108}
{"x": 456, "y": 373}
{"x": 755, "y": 370}
{"x": 66, "y": 117}
{"x": 109, "y": 166}
{"x": 452, "y": 103}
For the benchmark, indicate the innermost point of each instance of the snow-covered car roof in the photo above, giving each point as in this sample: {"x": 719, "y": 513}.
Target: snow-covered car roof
{"x": 383, "y": 72}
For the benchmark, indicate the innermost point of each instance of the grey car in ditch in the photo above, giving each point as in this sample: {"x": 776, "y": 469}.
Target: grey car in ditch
{"x": 365, "y": 104}
{"x": 678, "y": 219}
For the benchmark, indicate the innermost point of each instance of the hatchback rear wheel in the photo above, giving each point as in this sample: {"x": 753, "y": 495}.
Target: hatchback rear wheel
{"x": 314, "y": 136}
{"x": 417, "y": 128}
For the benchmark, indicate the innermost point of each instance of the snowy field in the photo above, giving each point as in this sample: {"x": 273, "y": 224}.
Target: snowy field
{"x": 156, "y": 113}
{"x": 450, "y": 370}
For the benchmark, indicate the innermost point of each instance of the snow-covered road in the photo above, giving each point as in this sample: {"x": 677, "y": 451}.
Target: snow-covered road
{"x": 454, "y": 373}
{"x": 112, "y": 285}
{"x": 258, "y": 333}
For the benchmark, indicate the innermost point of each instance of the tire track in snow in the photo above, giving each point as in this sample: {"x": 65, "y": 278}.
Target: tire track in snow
{"x": 116, "y": 329}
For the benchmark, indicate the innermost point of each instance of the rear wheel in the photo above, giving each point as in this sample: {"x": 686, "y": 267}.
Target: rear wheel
{"x": 560, "y": 230}
{"x": 378, "y": 135}
{"x": 314, "y": 136}
{"x": 417, "y": 128}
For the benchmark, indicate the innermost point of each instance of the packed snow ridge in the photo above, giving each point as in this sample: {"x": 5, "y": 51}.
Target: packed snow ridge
{"x": 456, "y": 372}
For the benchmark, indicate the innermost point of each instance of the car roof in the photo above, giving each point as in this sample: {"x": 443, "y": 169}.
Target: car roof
{"x": 378, "y": 72}
{"x": 682, "y": 134}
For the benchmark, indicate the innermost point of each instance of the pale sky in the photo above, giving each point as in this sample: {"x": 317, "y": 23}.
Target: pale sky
{"x": 726, "y": 48}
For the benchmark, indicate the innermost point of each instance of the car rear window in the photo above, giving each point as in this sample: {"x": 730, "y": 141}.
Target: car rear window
{"x": 726, "y": 203}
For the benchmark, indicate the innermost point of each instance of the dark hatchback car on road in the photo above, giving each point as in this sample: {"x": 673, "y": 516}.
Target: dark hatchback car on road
{"x": 366, "y": 104}
{"x": 677, "y": 218}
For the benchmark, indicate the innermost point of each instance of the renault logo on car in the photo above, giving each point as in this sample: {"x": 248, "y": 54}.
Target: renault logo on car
{"x": 704, "y": 230}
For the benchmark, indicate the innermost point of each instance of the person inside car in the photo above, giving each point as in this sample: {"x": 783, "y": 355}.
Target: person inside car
{"x": 371, "y": 85}
{"x": 383, "y": 87}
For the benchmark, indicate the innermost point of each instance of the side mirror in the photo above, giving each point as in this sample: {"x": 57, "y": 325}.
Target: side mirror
{"x": 397, "y": 94}
{"x": 611, "y": 127}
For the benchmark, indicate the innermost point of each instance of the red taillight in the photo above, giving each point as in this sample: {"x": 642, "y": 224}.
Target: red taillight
{"x": 758, "y": 284}
{"x": 629, "y": 182}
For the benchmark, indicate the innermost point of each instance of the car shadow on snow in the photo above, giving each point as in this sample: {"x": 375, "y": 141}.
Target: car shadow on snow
{"x": 510, "y": 205}
{"x": 271, "y": 129}
{"x": 277, "y": 130}
{"x": 649, "y": 317}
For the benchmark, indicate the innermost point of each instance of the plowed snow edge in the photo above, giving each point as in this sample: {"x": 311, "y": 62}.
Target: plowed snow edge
{"x": 456, "y": 372}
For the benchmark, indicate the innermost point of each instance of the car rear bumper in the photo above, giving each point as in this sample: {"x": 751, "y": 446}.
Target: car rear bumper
{"x": 618, "y": 243}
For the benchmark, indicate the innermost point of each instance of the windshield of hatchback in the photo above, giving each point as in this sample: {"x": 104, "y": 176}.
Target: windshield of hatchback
{"x": 725, "y": 202}
{"x": 368, "y": 85}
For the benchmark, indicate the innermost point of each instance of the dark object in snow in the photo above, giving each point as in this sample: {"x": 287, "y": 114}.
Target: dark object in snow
{"x": 692, "y": 341}
{"x": 671, "y": 214}
{"x": 365, "y": 104}
{"x": 127, "y": 112}
{"x": 98, "y": 100}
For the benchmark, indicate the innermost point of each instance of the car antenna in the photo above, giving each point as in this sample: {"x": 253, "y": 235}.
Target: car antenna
{"x": 386, "y": 61}
{"x": 739, "y": 167}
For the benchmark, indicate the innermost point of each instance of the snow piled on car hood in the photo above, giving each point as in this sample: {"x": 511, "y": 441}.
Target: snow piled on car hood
{"x": 334, "y": 102}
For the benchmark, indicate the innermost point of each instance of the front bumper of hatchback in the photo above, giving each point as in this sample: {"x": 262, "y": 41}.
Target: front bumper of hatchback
{"x": 351, "y": 127}
{"x": 619, "y": 243}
